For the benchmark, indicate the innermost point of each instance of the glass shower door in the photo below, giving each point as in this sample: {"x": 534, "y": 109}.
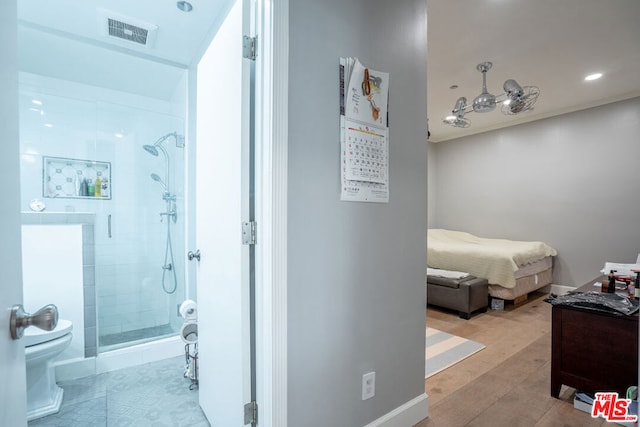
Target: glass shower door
{"x": 118, "y": 170}
{"x": 140, "y": 267}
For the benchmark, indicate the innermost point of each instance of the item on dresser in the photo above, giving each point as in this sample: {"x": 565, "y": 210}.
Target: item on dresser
{"x": 615, "y": 304}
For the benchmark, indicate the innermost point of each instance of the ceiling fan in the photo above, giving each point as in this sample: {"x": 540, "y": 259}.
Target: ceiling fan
{"x": 516, "y": 99}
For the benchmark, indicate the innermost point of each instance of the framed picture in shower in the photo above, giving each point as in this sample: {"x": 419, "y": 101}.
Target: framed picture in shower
{"x": 76, "y": 178}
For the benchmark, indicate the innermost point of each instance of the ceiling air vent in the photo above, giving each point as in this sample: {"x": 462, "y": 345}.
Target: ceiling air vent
{"x": 126, "y": 31}
{"x": 130, "y": 30}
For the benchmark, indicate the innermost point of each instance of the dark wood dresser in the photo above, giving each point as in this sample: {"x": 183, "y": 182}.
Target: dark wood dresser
{"x": 593, "y": 351}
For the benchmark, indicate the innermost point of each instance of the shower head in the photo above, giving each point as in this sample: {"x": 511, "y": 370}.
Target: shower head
{"x": 157, "y": 178}
{"x": 151, "y": 149}
{"x": 157, "y": 148}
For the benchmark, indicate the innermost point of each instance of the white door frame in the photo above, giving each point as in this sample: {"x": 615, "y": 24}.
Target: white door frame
{"x": 13, "y": 410}
{"x": 271, "y": 130}
{"x": 272, "y": 81}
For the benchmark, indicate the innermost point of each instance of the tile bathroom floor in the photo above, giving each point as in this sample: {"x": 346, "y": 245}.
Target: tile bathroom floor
{"x": 155, "y": 394}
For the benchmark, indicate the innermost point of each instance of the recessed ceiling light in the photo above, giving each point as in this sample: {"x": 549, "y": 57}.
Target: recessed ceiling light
{"x": 36, "y": 102}
{"x": 48, "y": 125}
{"x": 594, "y": 76}
{"x": 119, "y": 135}
{"x": 184, "y": 6}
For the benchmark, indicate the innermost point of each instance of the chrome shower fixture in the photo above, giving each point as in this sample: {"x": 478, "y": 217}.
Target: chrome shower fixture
{"x": 151, "y": 149}
{"x": 169, "y": 285}
{"x": 157, "y": 178}
{"x": 179, "y": 139}
{"x": 157, "y": 148}
{"x": 515, "y": 100}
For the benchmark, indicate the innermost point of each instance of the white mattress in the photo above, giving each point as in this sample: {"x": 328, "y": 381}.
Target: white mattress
{"x": 534, "y": 267}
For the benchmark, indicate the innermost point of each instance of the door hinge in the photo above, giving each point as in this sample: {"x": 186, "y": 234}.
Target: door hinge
{"x": 251, "y": 413}
{"x": 249, "y": 233}
{"x": 249, "y": 47}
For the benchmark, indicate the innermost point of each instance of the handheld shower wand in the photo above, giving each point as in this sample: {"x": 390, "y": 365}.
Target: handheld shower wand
{"x": 157, "y": 178}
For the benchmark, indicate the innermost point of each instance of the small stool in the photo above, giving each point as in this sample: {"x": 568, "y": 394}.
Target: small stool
{"x": 464, "y": 295}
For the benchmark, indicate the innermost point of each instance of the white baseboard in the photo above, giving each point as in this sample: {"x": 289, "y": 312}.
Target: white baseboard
{"x": 558, "y": 289}
{"x": 406, "y": 415}
{"x": 74, "y": 369}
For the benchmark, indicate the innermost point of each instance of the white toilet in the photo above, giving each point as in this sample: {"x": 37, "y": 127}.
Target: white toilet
{"x": 44, "y": 397}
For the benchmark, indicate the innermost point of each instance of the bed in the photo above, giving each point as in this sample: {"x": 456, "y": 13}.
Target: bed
{"x": 513, "y": 268}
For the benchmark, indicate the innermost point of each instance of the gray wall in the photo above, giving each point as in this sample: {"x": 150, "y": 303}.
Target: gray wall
{"x": 572, "y": 181}
{"x": 431, "y": 187}
{"x": 356, "y": 271}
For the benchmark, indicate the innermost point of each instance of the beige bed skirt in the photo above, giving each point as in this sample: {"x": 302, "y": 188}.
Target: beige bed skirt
{"x": 524, "y": 285}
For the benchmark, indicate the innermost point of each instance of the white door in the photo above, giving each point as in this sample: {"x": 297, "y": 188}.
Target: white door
{"x": 222, "y": 194}
{"x": 13, "y": 405}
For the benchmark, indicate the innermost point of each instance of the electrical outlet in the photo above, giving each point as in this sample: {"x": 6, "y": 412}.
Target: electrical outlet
{"x": 368, "y": 385}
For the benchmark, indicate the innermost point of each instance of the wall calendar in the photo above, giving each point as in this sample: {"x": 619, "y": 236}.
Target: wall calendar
{"x": 364, "y": 143}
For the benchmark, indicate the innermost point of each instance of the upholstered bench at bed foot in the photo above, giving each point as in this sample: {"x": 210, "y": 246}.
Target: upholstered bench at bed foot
{"x": 464, "y": 295}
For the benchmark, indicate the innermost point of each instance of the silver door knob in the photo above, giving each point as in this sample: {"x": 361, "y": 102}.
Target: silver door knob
{"x": 191, "y": 255}
{"x": 46, "y": 318}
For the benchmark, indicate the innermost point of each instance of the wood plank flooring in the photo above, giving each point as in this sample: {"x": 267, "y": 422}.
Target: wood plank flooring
{"x": 507, "y": 383}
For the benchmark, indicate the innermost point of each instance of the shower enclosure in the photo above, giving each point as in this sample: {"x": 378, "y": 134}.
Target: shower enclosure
{"x": 136, "y": 278}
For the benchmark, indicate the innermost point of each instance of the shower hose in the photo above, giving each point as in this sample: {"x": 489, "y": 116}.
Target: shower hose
{"x": 168, "y": 257}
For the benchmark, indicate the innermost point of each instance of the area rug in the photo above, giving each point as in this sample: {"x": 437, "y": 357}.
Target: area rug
{"x": 445, "y": 350}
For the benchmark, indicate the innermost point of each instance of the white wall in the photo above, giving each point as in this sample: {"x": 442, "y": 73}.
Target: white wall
{"x": 356, "y": 271}
{"x": 52, "y": 274}
{"x": 572, "y": 181}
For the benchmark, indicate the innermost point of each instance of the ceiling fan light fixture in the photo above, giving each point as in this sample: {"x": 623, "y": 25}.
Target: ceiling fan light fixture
{"x": 513, "y": 89}
{"x": 460, "y": 106}
{"x": 515, "y": 99}
{"x": 521, "y": 103}
{"x": 456, "y": 118}
{"x": 484, "y": 103}
{"x": 458, "y": 122}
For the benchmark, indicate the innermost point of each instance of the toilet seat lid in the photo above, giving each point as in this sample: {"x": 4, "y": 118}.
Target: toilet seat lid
{"x": 34, "y": 335}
